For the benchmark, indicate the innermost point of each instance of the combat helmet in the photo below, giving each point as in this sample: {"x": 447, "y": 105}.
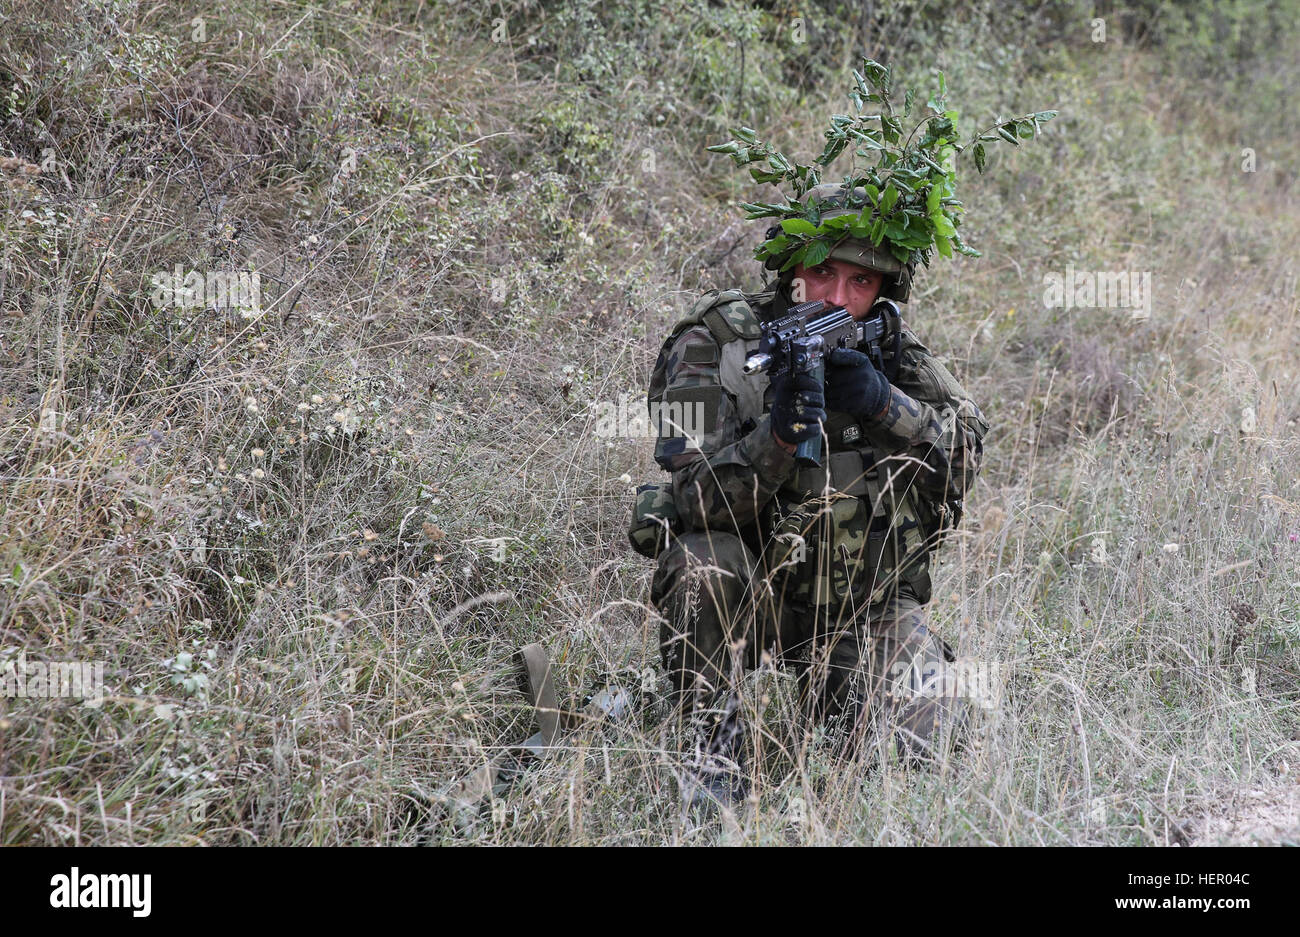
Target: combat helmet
{"x": 832, "y": 197}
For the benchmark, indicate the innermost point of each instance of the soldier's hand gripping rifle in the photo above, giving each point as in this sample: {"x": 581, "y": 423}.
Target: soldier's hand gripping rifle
{"x": 798, "y": 343}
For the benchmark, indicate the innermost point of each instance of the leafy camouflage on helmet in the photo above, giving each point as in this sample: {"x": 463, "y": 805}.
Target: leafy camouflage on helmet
{"x": 832, "y": 200}
{"x": 905, "y": 203}
{"x": 654, "y": 518}
{"x": 861, "y": 251}
{"x": 865, "y": 254}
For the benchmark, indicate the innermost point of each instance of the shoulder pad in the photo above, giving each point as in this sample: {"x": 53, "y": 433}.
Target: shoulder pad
{"x": 909, "y": 340}
{"x": 726, "y": 314}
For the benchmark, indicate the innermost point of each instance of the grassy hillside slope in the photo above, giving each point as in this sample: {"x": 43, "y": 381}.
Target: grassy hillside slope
{"x": 282, "y": 532}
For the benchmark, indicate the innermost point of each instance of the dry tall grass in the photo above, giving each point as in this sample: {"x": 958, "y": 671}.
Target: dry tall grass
{"x": 279, "y": 531}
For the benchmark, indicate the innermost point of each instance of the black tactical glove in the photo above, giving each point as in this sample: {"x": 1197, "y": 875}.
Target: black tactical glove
{"x": 797, "y": 399}
{"x": 854, "y": 385}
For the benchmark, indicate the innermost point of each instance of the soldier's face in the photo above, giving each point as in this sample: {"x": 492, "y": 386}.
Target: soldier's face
{"x": 839, "y": 283}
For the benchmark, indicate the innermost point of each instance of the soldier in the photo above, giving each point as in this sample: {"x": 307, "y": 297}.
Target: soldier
{"x": 824, "y": 568}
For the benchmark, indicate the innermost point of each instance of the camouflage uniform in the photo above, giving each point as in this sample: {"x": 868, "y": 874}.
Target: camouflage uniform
{"x": 827, "y": 568}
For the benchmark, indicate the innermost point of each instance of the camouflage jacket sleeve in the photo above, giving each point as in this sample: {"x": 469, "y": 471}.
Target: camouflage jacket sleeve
{"x": 933, "y": 424}
{"x": 723, "y": 472}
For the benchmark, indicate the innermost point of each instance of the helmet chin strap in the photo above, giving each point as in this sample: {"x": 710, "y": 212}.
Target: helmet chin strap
{"x": 783, "y": 300}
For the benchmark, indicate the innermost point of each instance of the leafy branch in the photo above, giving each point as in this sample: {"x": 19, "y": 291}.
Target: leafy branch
{"x": 907, "y": 195}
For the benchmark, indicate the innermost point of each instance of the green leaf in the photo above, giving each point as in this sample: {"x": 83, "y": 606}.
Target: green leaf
{"x": 979, "y": 157}
{"x": 832, "y": 149}
{"x": 931, "y": 163}
{"x": 941, "y": 242}
{"x": 799, "y": 226}
{"x": 963, "y": 248}
{"x": 942, "y": 224}
{"x": 762, "y": 210}
{"x": 876, "y": 73}
{"x": 889, "y": 198}
{"x": 816, "y": 252}
{"x": 932, "y": 199}
{"x": 1008, "y": 136}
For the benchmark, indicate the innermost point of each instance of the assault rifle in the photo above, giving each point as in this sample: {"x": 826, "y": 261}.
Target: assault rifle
{"x": 798, "y": 342}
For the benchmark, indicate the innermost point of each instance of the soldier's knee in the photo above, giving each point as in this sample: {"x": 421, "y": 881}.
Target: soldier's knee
{"x": 700, "y": 589}
{"x": 902, "y": 640}
{"x": 718, "y": 564}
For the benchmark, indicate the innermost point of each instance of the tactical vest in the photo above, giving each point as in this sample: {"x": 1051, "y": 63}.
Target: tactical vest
{"x": 836, "y": 535}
